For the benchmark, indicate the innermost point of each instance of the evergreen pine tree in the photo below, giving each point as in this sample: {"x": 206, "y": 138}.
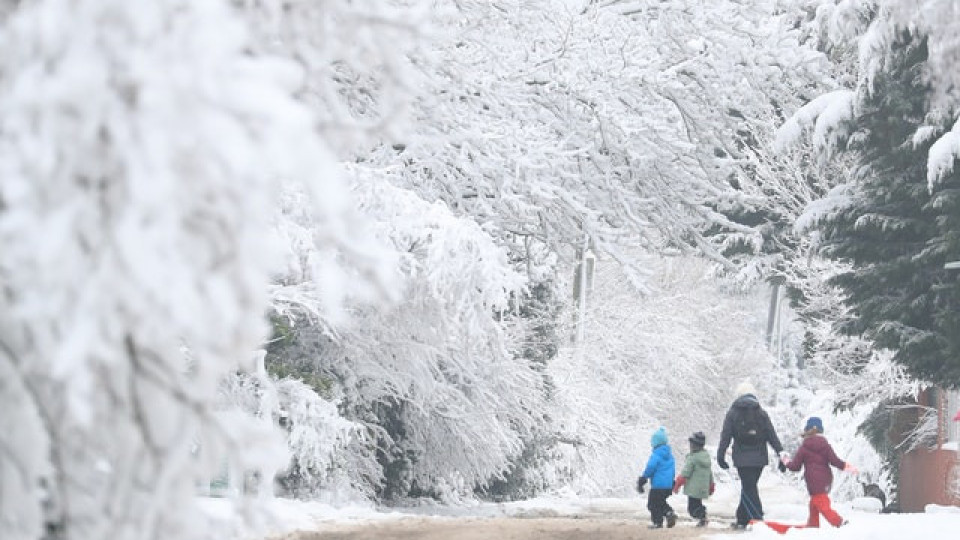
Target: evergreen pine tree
{"x": 897, "y": 233}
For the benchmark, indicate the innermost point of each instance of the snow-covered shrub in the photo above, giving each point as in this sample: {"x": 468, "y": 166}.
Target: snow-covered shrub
{"x": 536, "y": 324}
{"x": 436, "y": 369}
{"x": 442, "y": 401}
{"x": 316, "y": 434}
{"x": 317, "y": 437}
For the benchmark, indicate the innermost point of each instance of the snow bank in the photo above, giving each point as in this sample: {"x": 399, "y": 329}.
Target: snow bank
{"x": 867, "y": 504}
{"x": 266, "y": 518}
{"x": 870, "y": 527}
{"x": 938, "y": 509}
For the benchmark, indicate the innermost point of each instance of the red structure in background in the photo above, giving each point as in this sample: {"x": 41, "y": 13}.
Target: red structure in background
{"x": 932, "y": 475}
{"x": 927, "y": 477}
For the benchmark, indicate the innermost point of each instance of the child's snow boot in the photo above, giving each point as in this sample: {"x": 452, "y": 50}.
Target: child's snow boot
{"x": 671, "y": 519}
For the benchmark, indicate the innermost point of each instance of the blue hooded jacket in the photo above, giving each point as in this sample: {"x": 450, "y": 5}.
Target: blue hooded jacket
{"x": 661, "y": 468}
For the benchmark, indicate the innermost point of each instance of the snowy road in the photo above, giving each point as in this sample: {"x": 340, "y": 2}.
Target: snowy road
{"x": 568, "y": 518}
{"x": 558, "y": 528}
{"x": 542, "y": 519}
{"x": 561, "y": 517}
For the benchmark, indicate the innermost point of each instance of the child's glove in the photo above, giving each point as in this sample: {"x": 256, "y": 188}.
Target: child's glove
{"x": 713, "y": 487}
{"x": 642, "y": 481}
{"x": 678, "y": 483}
{"x": 782, "y": 467}
{"x": 850, "y": 468}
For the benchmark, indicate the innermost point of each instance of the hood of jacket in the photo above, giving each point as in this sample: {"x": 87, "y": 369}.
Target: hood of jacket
{"x": 748, "y": 455}
{"x": 746, "y": 401}
{"x": 659, "y": 437}
{"x": 815, "y": 443}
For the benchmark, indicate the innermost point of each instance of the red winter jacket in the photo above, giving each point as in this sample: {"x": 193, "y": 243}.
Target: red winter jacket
{"x": 815, "y": 456}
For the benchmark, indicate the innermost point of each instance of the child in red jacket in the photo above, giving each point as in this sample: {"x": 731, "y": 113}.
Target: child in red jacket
{"x": 816, "y": 456}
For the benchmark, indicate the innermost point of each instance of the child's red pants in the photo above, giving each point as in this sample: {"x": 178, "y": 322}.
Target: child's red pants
{"x": 820, "y": 504}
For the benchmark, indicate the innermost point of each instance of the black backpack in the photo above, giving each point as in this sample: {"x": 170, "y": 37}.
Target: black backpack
{"x": 748, "y": 426}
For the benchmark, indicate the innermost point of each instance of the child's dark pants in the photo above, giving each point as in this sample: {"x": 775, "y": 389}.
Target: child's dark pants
{"x": 696, "y": 508}
{"x": 657, "y": 505}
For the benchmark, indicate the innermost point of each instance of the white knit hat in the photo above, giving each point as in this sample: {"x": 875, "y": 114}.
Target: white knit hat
{"x": 745, "y": 388}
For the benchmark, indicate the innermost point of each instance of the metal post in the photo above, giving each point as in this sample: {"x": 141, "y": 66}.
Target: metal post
{"x": 775, "y": 283}
{"x": 584, "y": 282}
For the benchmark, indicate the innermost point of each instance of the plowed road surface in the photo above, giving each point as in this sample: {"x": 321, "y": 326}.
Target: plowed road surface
{"x": 506, "y": 528}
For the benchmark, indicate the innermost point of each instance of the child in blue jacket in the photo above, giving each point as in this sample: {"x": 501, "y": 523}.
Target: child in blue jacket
{"x": 660, "y": 471}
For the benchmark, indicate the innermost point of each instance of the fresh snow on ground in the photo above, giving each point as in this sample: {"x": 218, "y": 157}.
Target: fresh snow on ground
{"x": 871, "y": 527}
{"x": 270, "y": 518}
{"x": 783, "y": 502}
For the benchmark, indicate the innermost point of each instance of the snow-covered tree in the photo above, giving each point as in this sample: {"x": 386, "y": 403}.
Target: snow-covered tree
{"x": 889, "y": 223}
{"x": 734, "y": 70}
{"x": 142, "y": 147}
{"x": 867, "y": 33}
{"x": 356, "y": 61}
{"x": 432, "y": 379}
{"x": 611, "y": 125}
{"x": 900, "y": 290}
{"x": 581, "y": 132}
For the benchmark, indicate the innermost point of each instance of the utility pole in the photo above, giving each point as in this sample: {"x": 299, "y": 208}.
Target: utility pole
{"x": 774, "y": 315}
{"x": 582, "y": 285}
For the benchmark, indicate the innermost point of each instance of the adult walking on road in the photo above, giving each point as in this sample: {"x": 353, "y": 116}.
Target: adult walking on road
{"x": 750, "y": 429}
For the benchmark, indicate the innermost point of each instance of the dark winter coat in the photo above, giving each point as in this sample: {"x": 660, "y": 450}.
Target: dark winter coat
{"x": 661, "y": 468}
{"x": 745, "y": 454}
{"x": 815, "y": 457}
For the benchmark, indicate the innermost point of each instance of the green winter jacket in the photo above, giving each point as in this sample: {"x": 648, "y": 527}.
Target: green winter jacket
{"x": 696, "y": 469}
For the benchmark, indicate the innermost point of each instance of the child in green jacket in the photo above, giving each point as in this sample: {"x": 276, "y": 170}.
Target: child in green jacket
{"x": 696, "y": 478}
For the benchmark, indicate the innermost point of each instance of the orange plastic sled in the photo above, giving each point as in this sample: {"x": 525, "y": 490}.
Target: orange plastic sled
{"x": 781, "y": 528}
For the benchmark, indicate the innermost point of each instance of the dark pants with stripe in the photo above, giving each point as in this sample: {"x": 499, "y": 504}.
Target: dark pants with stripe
{"x": 750, "y": 506}
{"x": 657, "y": 504}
